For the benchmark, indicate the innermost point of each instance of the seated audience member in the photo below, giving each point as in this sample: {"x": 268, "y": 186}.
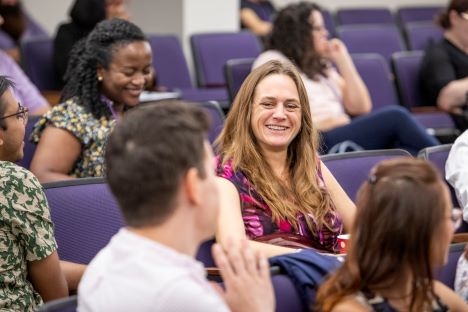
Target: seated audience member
{"x": 26, "y": 91}
{"x": 108, "y": 71}
{"x": 30, "y": 267}
{"x": 257, "y": 15}
{"x": 401, "y": 233}
{"x": 85, "y": 15}
{"x": 170, "y": 210}
{"x": 456, "y": 171}
{"x": 444, "y": 69}
{"x": 16, "y": 25}
{"x": 274, "y": 187}
{"x": 335, "y": 89}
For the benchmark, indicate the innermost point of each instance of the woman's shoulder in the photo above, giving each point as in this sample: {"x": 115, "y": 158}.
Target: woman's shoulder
{"x": 269, "y": 55}
{"x": 352, "y": 303}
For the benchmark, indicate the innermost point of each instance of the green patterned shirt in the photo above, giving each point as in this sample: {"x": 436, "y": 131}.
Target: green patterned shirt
{"x": 26, "y": 234}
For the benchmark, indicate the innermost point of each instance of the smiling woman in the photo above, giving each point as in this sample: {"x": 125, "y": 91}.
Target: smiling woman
{"x": 274, "y": 188}
{"x": 106, "y": 74}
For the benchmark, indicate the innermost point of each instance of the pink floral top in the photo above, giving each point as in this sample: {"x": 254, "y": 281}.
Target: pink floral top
{"x": 259, "y": 224}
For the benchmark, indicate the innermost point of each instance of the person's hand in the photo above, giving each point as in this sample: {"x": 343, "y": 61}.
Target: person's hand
{"x": 246, "y": 275}
{"x": 337, "y": 50}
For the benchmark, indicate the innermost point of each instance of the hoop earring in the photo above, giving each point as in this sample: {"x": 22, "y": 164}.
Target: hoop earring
{"x": 99, "y": 78}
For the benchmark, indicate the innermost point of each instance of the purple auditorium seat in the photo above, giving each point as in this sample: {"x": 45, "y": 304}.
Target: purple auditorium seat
{"x": 172, "y": 71}
{"x": 375, "y": 72}
{"x": 68, "y": 304}
{"x": 37, "y": 62}
{"x": 212, "y": 50}
{"x": 438, "y": 155}
{"x": 329, "y": 23}
{"x": 406, "y": 67}
{"x": 417, "y": 14}
{"x": 204, "y": 253}
{"x": 364, "y": 16}
{"x": 85, "y": 215}
{"x": 29, "y": 147}
{"x": 216, "y": 117}
{"x": 352, "y": 169}
{"x": 287, "y": 298}
{"x": 420, "y": 34}
{"x": 235, "y": 72}
{"x": 446, "y": 274}
{"x": 381, "y": 39}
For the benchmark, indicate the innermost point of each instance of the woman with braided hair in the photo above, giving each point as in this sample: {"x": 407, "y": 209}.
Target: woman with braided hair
{"x": 106, "y": 74}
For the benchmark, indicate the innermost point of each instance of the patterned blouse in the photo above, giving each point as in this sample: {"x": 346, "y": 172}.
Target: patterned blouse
{"x": 26, "y": 234}
{"x": 259, "y": 224}
{"x": 90, "y": 132}
{"x": 378, "y": 303}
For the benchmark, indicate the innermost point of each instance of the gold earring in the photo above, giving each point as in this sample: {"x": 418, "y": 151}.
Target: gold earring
{"x": 99, "y": 78}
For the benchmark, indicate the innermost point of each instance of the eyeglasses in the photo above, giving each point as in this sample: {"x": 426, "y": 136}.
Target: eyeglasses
{"x": 22, "y": 113}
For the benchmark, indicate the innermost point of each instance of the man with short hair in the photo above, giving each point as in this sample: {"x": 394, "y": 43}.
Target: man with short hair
{"x": 160, "y": 169}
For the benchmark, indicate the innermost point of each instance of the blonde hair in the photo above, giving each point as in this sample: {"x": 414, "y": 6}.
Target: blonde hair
{"x": 237, "y": 143}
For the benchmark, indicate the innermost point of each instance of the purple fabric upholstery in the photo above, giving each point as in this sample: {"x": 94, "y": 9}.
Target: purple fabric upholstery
{"x": 212, "y": 50}
{"x": 29, "y": 147}
{"x": 37, "y": 58}
{"x": 235, "y": 71}
{"x": 364, "y": 16}
{"x": 418, "y": 14}
{"x": 286, "y": 295}
{"x": 381, "y": 39}
{"x": 68, "y": 304}
{"x": 172, "y": 70}
{"x": 446, "y": 274}
{"x": 375, "y": 72}
{"x": 85, "y": 215}
{"x": 216, "y": 116}
{"x": 420, "y": 34}
{"x": 352, "y": 169}
{"x": 204, "y": 253}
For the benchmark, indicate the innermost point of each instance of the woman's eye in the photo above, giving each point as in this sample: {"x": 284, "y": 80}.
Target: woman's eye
{"x": 292, "y": 106}
{"x": 266, "y": 104}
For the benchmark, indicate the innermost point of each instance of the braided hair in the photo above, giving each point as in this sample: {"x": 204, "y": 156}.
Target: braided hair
{"x": 96, "y": 50}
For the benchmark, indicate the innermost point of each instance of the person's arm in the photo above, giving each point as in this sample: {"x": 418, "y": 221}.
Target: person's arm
{"x": 55, "y": 155}
{"x": 47, "y": 277}
{"x": 456, "y": 171}
{"x": 73, "y": 273}
{"x": 349, "y": 305}
{"x": 356, "y": 99}
{"x": 250, "y": 20}
{"x": 344, "y": 205}
{"x": 453, "y": 95}
{"x": 450, "y": 298}
{"x": 231, "y": 225}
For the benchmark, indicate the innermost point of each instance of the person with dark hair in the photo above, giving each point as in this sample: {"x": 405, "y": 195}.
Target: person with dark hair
{"x": 160, "y": 169}
{"x": 84, "y": 15}
{"x": 444, "y": 69}
{"x": 336, "y": 92}
{"x": 275, "y": 190}
{"x": 107, "y": 73}
{"x": 401, "y": 233}
{"x": 257, "y": 16}
{"x": 31, "y": 271}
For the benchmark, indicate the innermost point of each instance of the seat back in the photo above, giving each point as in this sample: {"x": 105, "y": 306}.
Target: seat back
{"x": 216, "y": 116}
{"x": 352, "y": 169}
{"x": 417, "y": 14}
{"x": 211, "y": 51}
{"x": 169, "y": 62}
{"x": 381, "y": 39}
{"x": 420, "y": 34}
{"x": 286, "y": 295}
{"x": 406, "y": 66}
{"x": 29, "y": 147}
{"x": 375, "y": 72}
{"x": 353, "y": 16}
{"x": 86, "y": 215}
{"x": 446, "y": 274}
{"x": 68, "y": 304}
{"x": 37, "y": 62}
{"x": 235, "y": 71}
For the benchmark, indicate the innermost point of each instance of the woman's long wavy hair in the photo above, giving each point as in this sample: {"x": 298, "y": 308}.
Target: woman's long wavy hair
{"x": 92, "y": 52}
{"x": 237, "y": 142}
{"x": 400, "y": 211}
{"x": 292, "y": 36}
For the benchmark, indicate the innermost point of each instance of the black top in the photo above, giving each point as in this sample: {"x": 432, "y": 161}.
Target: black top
{"x": 442, "y": 63}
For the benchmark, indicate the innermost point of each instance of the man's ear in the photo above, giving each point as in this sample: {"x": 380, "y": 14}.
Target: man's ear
{"x": 192, "y": 186}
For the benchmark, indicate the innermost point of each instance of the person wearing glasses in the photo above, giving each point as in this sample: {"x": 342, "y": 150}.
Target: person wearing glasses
{"x": 444, "y": 69}
{"x": 402, "y": 230}
{"x": 339, "y": 100}
{"x": 30, "y": 268}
